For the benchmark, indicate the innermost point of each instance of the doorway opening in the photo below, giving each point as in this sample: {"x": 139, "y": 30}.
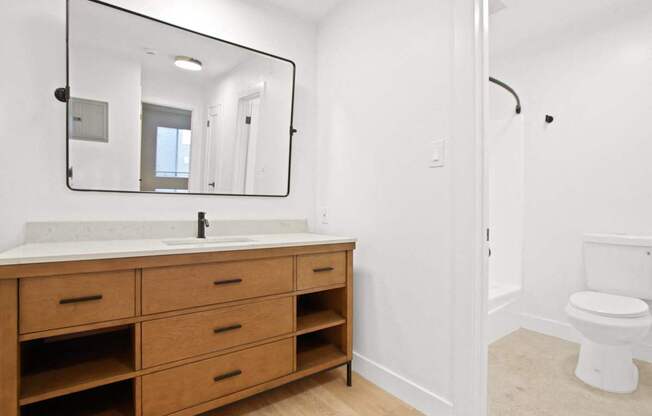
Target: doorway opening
{"x": 165, "y": 148}
{"x": 567, "y": 328}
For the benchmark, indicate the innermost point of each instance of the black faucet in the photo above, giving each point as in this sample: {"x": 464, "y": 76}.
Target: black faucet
{"x": 202, "y": 223}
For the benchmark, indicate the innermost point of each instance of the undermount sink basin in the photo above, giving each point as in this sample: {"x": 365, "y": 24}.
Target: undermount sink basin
{"x": 207, "y": 241}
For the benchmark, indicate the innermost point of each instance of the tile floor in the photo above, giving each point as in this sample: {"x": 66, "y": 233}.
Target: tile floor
{"x": 531, "y": 374}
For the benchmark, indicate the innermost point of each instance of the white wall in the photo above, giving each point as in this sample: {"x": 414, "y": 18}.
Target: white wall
{"x": 384, "y": 83}
{"x": 116, "y": 80}
{"x": 32, "y": 161}
{"x": 590, "y": 170}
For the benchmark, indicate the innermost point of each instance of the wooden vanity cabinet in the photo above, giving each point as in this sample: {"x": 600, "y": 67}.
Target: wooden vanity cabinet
{"x": 170, "y": 335}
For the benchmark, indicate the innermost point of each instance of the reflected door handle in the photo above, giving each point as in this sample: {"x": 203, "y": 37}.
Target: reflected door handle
{"x": 212, "y": 184}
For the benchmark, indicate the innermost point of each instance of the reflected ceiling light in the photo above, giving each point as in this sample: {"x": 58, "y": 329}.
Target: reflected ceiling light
{"x": 186, "y": 62}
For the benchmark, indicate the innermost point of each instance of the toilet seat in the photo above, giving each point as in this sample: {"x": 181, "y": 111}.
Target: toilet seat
{"x": 611, "y": 306}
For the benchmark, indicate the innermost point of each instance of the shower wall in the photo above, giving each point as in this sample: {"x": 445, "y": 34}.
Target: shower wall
{"x": 505, "y": 162}
{"x": 505, "y": 185}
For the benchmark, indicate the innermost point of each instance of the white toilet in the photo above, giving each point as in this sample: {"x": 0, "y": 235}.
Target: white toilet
{"x": 612, "y": 317}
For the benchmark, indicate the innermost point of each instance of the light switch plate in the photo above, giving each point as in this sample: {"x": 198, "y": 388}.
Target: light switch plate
{"x": 438, "y": 155}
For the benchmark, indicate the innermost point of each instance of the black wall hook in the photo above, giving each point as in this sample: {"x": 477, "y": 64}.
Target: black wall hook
{"x": 62, "y": 94}
{"x": 549, "y": 119}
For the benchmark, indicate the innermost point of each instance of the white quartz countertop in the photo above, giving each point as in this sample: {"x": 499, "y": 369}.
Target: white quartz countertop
{"x": 110, "y": 249}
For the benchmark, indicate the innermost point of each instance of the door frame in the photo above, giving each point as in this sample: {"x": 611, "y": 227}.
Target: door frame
{"x": 212, "y": 147}
{"x": 469, "y": 199}
{"x": 252, "y": 145}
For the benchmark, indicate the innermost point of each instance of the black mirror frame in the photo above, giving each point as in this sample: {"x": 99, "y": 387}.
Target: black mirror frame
{"x": 63, "y": 94}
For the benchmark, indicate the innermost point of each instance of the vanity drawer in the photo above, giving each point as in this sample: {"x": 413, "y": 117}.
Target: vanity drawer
{"x": 63, "y": 301}
{"x": 171, "y": 339}
{"x": 172, "y": 288}
{"x": 182, "y": 387}
{"x": 318, "y": 270}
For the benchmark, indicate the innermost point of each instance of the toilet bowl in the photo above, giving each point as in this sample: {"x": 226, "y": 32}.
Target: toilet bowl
{"x": 610, "y": 325}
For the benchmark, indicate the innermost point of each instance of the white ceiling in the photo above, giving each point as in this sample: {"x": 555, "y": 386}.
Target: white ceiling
{"x": 108, "y": 31}
{"x": 522, "y": 23}
{"x": 309, "y": 9}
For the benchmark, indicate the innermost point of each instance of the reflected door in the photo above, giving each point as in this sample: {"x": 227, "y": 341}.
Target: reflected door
{"x": 246, "y": 144}
{"x": 165, "y": 152}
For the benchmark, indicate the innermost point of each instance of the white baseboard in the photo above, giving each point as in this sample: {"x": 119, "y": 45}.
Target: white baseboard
{"x": 643, "y": 352}
{"x": 566, "y": 331}
{"x": 550, "y": 327}
{"x": 502, "y": 321}
{"x": 411, "y": 393}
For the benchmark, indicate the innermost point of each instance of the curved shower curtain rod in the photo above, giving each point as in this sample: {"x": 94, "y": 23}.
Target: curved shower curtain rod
{"x": 511, "y": 90}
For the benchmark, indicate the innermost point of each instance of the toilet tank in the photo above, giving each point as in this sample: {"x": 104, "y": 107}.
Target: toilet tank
{"x": 619, "y": 264}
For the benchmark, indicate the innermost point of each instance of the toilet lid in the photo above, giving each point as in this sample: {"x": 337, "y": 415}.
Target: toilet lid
{"x": 609, "y": 305}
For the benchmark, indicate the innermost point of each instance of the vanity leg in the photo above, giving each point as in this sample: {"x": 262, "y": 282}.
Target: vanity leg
{"x": 348, "y": 374}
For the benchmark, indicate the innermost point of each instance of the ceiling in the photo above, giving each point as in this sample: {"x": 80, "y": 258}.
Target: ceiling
{"x": 105, "y": 30}
{"x": 518, "y": 24}
{"x": 309, "y": 9}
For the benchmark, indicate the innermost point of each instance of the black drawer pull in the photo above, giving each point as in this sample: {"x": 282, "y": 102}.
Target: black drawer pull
{"x": 323, "y": 269}
{"x": 227, "y": 375}
{"x": 80, "y": 300}
{"x": 227, "y": 328}
{"x": 227, "y": 282}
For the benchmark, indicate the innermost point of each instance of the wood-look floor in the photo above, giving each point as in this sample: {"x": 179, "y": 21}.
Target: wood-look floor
{"x": 324, "y": 394}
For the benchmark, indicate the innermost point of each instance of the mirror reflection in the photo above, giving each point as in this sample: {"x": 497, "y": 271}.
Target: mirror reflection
{"x": 154, "y": 108}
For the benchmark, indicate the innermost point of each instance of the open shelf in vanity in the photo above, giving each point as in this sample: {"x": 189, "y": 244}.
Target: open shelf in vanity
{"x": 321, "y": 328}
{"x": 116, "y": 399}
{"x": 319, "y": 349}
{"x": 320, "y": 310}
{"x": 56, "y": 366}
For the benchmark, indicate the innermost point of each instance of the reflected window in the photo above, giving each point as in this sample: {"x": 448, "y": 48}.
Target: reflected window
{"x": 172, "y": 152}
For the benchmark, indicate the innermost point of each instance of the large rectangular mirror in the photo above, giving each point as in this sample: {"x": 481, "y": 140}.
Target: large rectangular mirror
{"x": 156, "y": 108}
